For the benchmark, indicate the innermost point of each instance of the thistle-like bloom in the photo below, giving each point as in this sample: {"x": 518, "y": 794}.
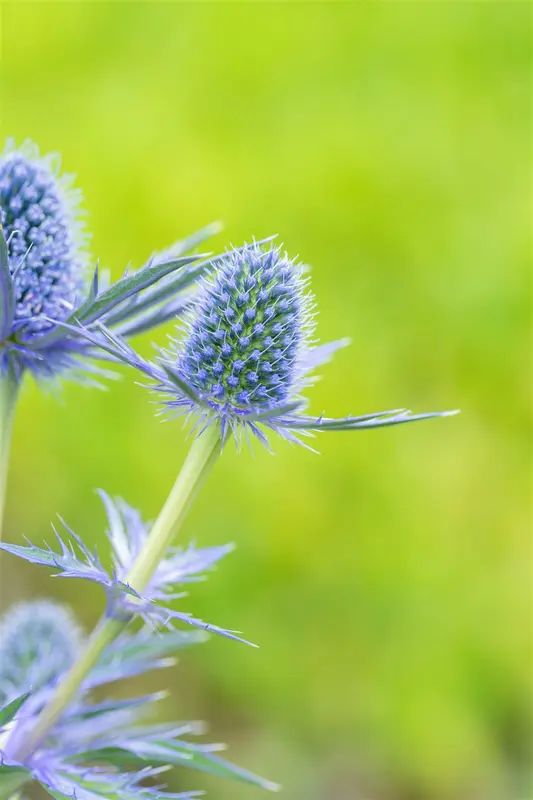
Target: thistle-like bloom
{"x": 40, "y": 214}
{"x": 103, "y": 749}
{"x": 43, "y": 273}
{"x": 39, "y": 640}
{"x": 127, "y": 534}
{"x": 248, "y": 352}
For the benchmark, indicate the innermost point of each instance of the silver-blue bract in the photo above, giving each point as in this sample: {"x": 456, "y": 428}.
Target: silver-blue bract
{"x": 43, "y": 274}
{"x": 127, "y": 534}
{"x": 39, "y": 641}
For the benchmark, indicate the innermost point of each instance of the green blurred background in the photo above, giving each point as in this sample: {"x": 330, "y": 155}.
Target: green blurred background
{"x": 388, "y": 580}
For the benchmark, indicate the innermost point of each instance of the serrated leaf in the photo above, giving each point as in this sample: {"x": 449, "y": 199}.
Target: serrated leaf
{"x": 128, "y": 286}
{"x": 8, "y": 712}
{"x": 94, "y": 307}
{"x": 12, "y": 778}
{"x": 67, "y": 562}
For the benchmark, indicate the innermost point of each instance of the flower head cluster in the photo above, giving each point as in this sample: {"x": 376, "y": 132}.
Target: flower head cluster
{"x": 43, "y": 274}
{"x": 98, "y": 749}
{"x": 247, "y": 352}
{"x": 127, "y": 534}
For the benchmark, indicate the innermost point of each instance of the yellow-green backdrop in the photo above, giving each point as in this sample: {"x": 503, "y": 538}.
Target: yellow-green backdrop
{"x": 388, "y": 579}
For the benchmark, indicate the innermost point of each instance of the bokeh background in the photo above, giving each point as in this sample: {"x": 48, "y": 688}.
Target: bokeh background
{"x": 388, "y": 580}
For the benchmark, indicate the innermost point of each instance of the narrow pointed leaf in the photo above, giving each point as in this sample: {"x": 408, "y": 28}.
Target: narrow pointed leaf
{"x": 378, "y": 420}
{"x": 92, "y": 310}
{"x": 8, "y": 712}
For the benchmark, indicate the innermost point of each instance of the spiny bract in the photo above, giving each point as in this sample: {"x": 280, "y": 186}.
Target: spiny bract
{"x": 244, "y": 345}
{"x": 39, "y": 212}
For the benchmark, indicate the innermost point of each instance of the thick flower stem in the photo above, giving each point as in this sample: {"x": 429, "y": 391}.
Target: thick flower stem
{"x": 201, "y": 458}
{"x": 9, "y": 387}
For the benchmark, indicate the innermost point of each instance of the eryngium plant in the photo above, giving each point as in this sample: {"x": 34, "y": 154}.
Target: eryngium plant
{"x": 99, "y": 749}
{"x": 239, "y": 365}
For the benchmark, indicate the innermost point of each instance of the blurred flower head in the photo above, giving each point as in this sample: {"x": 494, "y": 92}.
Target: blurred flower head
{"x": 39, "y": 641}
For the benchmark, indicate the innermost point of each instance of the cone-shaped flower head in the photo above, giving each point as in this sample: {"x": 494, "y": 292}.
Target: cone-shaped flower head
{"x": 44, "y": 293}
{"x": 245, "y": 348}
{"x": 40, "y": 215}
{"x": 39, "y": 641}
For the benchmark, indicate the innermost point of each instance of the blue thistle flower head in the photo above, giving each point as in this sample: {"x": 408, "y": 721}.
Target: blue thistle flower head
{"x": 45, "y": 296}
{"x": 248, "y": 336}
{"x": 38, "y": 642}
{"x": 248, "y": 352}
{"x": 40, "y": 213}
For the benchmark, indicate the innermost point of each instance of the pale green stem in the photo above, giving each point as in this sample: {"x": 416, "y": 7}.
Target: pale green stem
{"x": 9, "y": 387}
{"x": 201, "y": 458}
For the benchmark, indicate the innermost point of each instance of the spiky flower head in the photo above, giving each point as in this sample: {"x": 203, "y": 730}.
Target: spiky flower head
{"x": 39, "y": 641}
{"x": 248, "y": 352}
{"x": 40, "y": 213}
{"x": 248, "y": 336}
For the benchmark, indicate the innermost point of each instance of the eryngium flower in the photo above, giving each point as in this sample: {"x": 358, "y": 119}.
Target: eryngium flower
{"x": 43, "y": 273}
{"x": 38, "y": 641}
{"x": 103, "y": 749}
{"x": 40, "y": 214}
{"x": 248, "y": 351}
{"x": 127, "y": 534}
